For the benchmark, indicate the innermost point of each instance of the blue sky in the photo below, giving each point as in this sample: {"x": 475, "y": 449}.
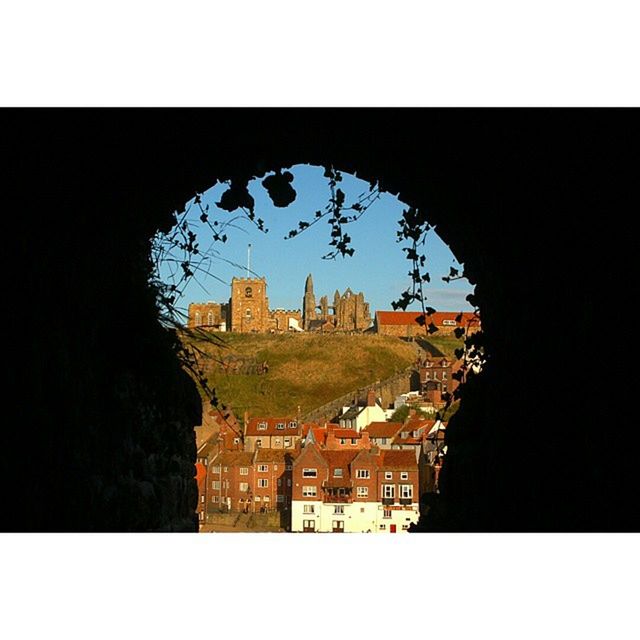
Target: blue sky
{"x": 378, "y": 267}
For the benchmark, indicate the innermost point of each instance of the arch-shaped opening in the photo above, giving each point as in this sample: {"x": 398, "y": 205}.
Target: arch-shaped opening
{"x": 398, "y": 293}
{"x": 124, "y": 410}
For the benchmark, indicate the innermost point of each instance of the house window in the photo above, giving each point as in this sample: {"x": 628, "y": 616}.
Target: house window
{"x": 444, "y": 375}
{"x": 288, "y": 482}
{"x": 263, "y": 468}
{"x": 387, "y": 513}
{"x": 215, "y": 499}
{"x": 209, "y": 318}
{"x": 309, "y": 473}
{"x": 308, "y": 508}
{"x": 215, "y": 484}
{"x": 258, "y": 442}
{"x": 362, "y": 473}
{"x": 383, "y": 526}
{"x": 280, "y": 426}
{"x": 248, "y": 313}
{"x": 406, "y": 491}
{"x": 244, "y": 471}
{"x": 198, "y": 319}
{"x": 404, "y": 434}
{"x": 205, "y": 461}
{"x": 257, "y": 498}
{"x": 225, "y": 469}
{"x": 215, "y": 469}
{"x": 337, "y": 473}
{"x": 266, "y": 499}
{"x": 362, "y": 492}
{"x": 279, "y": 482}
{"x": 263, "y": 483}
{"x": 383, "y": 441}
{"x": 293, "y": 425}
{"x": 388, "y": 475}
{"x": 404, "y": 475}
{"x": 262, "y": 426}
{"x": 388, "y": 490}
{"x": 309, "y": 492}
{"x": 354, "y": 441}
{"x": 277, "y": 442}
{"x": 343, "y": 441}
{"x": 287, "y": 442}
{"x": 244, "y": 486}
{"x": 308, "y": 525}
{"x": 201, "y": 498}
{"x": 279, "y": 498}
{"x": 339, "y": 508}
{"x": 289, "y": 467}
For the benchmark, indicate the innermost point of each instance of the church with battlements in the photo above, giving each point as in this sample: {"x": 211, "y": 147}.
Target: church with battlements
{"x": 247, "y": 311}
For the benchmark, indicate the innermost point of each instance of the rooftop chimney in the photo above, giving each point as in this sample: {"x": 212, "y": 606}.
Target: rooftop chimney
{"x": 371, "y": 398}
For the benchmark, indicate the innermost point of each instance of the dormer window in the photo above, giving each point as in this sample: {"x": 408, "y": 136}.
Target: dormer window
{"x": 337, "y": 473}
{"x": 293, "y": 425}
{"x": 404, "y": 434}
{"x": 262, "y": 426}
{"x": 280, "y": 426}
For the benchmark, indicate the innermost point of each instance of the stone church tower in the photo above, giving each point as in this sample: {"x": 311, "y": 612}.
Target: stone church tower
{"x": 249, "y": 304}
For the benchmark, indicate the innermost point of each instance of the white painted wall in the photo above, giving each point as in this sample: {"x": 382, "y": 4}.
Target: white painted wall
{"x": 358, "y": 517}
{"x": 369, "y": 415}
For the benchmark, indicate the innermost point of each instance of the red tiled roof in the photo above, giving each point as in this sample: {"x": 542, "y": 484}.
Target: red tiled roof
{"x": 234, "y": 459}
{"x": 411, "y": 317}
{"x": 345, "y": 433}
{"x": 383, "y": 429}
{"x": 339, "y": 460}
{"x": 398, "y": 459}
{"x": 285, "y": 456}
{"x": 271, "y": 430}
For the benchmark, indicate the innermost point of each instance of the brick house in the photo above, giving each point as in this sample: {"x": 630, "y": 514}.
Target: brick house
{"x": 407, "y": 324}
{"x": 230, "y": 481}
{"x": 271, "y": 433}
{"x": 332, "y": 436}
{"x": 354, "y": 491}
{"x": 273, "y": 478}
{"x": 245, "y": 481}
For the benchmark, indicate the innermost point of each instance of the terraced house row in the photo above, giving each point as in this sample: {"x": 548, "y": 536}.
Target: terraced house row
{"x": 368, "y": 490}
{"x": 322, "y": 478}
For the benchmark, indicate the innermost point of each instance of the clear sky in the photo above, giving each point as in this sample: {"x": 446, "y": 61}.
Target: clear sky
{"x": 378, "y": 267}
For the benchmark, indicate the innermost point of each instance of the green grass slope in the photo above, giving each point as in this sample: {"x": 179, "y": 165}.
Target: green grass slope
{"x": 305, "y": 370}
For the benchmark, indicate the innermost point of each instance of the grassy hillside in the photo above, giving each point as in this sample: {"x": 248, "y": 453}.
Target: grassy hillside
{"x": 446, "y": 344}
{"x": 304, "y": 370}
